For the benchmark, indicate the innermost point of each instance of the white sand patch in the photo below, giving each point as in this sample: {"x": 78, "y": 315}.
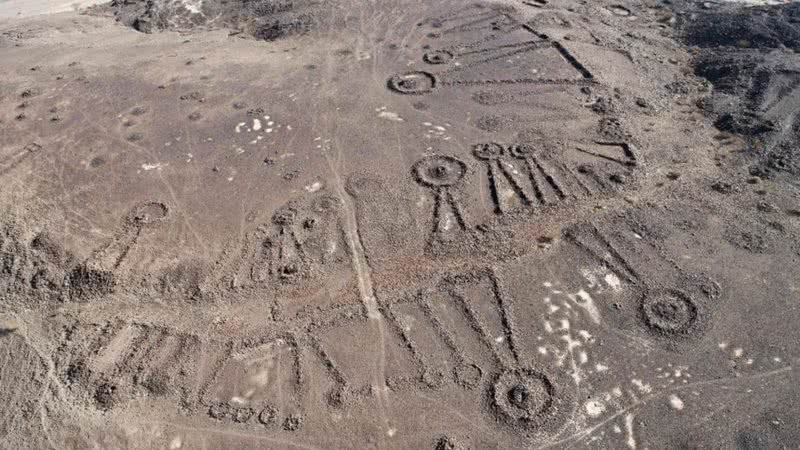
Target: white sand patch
{"x": 314, "y": 187}
{"x": 193, "y": 6}
{"x": 613, "y": 281}
{"x": 644, "y": 388}
{"x": 176, "y": 443}
{"x": 24, "y": 8}
{"x": 157, "y": 166}
{"x": 388, "y": 115}
{"x": 448, "y": 223}
{"x": 585, "y": 301}
{"x": 629, "y": 429}
{"x": 594, "y": 408}
{"x": 676, "y": 402}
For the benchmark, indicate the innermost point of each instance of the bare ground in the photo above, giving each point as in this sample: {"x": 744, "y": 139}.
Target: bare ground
{"x": 407, "y": 225}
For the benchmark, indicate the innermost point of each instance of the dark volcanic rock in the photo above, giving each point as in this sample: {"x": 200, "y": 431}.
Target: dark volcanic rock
{"x": 757, "y": 28}
{"x": 749, "y": 54}
{"x": 263, "y": 19}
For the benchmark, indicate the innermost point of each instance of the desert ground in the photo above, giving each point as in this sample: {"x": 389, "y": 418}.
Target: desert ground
{"x": 408, "y": 224}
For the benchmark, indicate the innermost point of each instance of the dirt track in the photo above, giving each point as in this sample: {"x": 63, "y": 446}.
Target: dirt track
{"x": 400, "y": 224}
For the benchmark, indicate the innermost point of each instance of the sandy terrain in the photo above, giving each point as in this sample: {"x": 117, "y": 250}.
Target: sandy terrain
{"x": 25, "y": 8}
{"x": 400, "y": 224}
